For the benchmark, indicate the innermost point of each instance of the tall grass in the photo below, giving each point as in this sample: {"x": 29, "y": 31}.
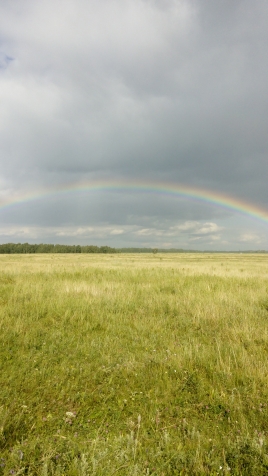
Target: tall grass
{"x": 134, "y": 365}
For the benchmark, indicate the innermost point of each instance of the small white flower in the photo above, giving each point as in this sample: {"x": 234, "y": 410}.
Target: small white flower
{"x": 70, "y": 415}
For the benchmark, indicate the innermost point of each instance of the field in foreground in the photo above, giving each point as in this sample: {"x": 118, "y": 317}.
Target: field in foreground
{"x": 134, "y": 365}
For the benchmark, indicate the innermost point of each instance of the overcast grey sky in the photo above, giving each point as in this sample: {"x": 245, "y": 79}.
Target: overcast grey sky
{"x": 168, "y": 91}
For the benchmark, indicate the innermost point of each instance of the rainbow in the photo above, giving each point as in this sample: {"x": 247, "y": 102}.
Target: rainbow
{"x": 163, "y": 188}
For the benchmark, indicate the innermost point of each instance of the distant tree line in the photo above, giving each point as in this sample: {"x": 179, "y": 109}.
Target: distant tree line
{"x": 153, "y": 250}
{"x": 180, "y": 250}
{"x": 11, "y": 248}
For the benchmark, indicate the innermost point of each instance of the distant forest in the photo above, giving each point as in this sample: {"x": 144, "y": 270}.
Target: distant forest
{"x": 26, "y": 248}
{"x": 12, "y": 248}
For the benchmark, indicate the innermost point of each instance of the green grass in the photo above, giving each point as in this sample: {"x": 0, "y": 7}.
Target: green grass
{"x": 134, "y": 365}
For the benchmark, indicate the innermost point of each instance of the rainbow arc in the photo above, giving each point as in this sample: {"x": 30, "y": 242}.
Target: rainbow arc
{"x": 162, "y": 188}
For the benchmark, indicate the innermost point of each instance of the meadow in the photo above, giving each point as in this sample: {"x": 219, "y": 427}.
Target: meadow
{"x": 134, "y": 364}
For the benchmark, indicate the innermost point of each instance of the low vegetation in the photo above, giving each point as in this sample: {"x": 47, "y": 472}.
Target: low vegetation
{"x": 134, "y": 364}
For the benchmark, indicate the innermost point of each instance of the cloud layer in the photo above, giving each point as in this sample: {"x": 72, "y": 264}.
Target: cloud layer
{"x": 159, "y": 90}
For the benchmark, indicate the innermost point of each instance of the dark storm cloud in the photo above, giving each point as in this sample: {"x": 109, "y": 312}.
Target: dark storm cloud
{"x": 144, "y": 89}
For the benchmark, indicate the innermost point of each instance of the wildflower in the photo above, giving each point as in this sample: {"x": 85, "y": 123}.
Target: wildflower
{"x": 70, "y": 414}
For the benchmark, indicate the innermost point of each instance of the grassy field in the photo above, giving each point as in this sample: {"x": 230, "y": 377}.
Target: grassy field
{"x": 134, "y": 364}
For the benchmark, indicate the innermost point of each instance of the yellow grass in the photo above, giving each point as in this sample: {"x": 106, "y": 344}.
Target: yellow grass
{"x": 161, "y": 361}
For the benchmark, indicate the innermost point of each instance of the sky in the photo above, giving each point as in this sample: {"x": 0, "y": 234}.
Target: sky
{"x": 105, "y": 105}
